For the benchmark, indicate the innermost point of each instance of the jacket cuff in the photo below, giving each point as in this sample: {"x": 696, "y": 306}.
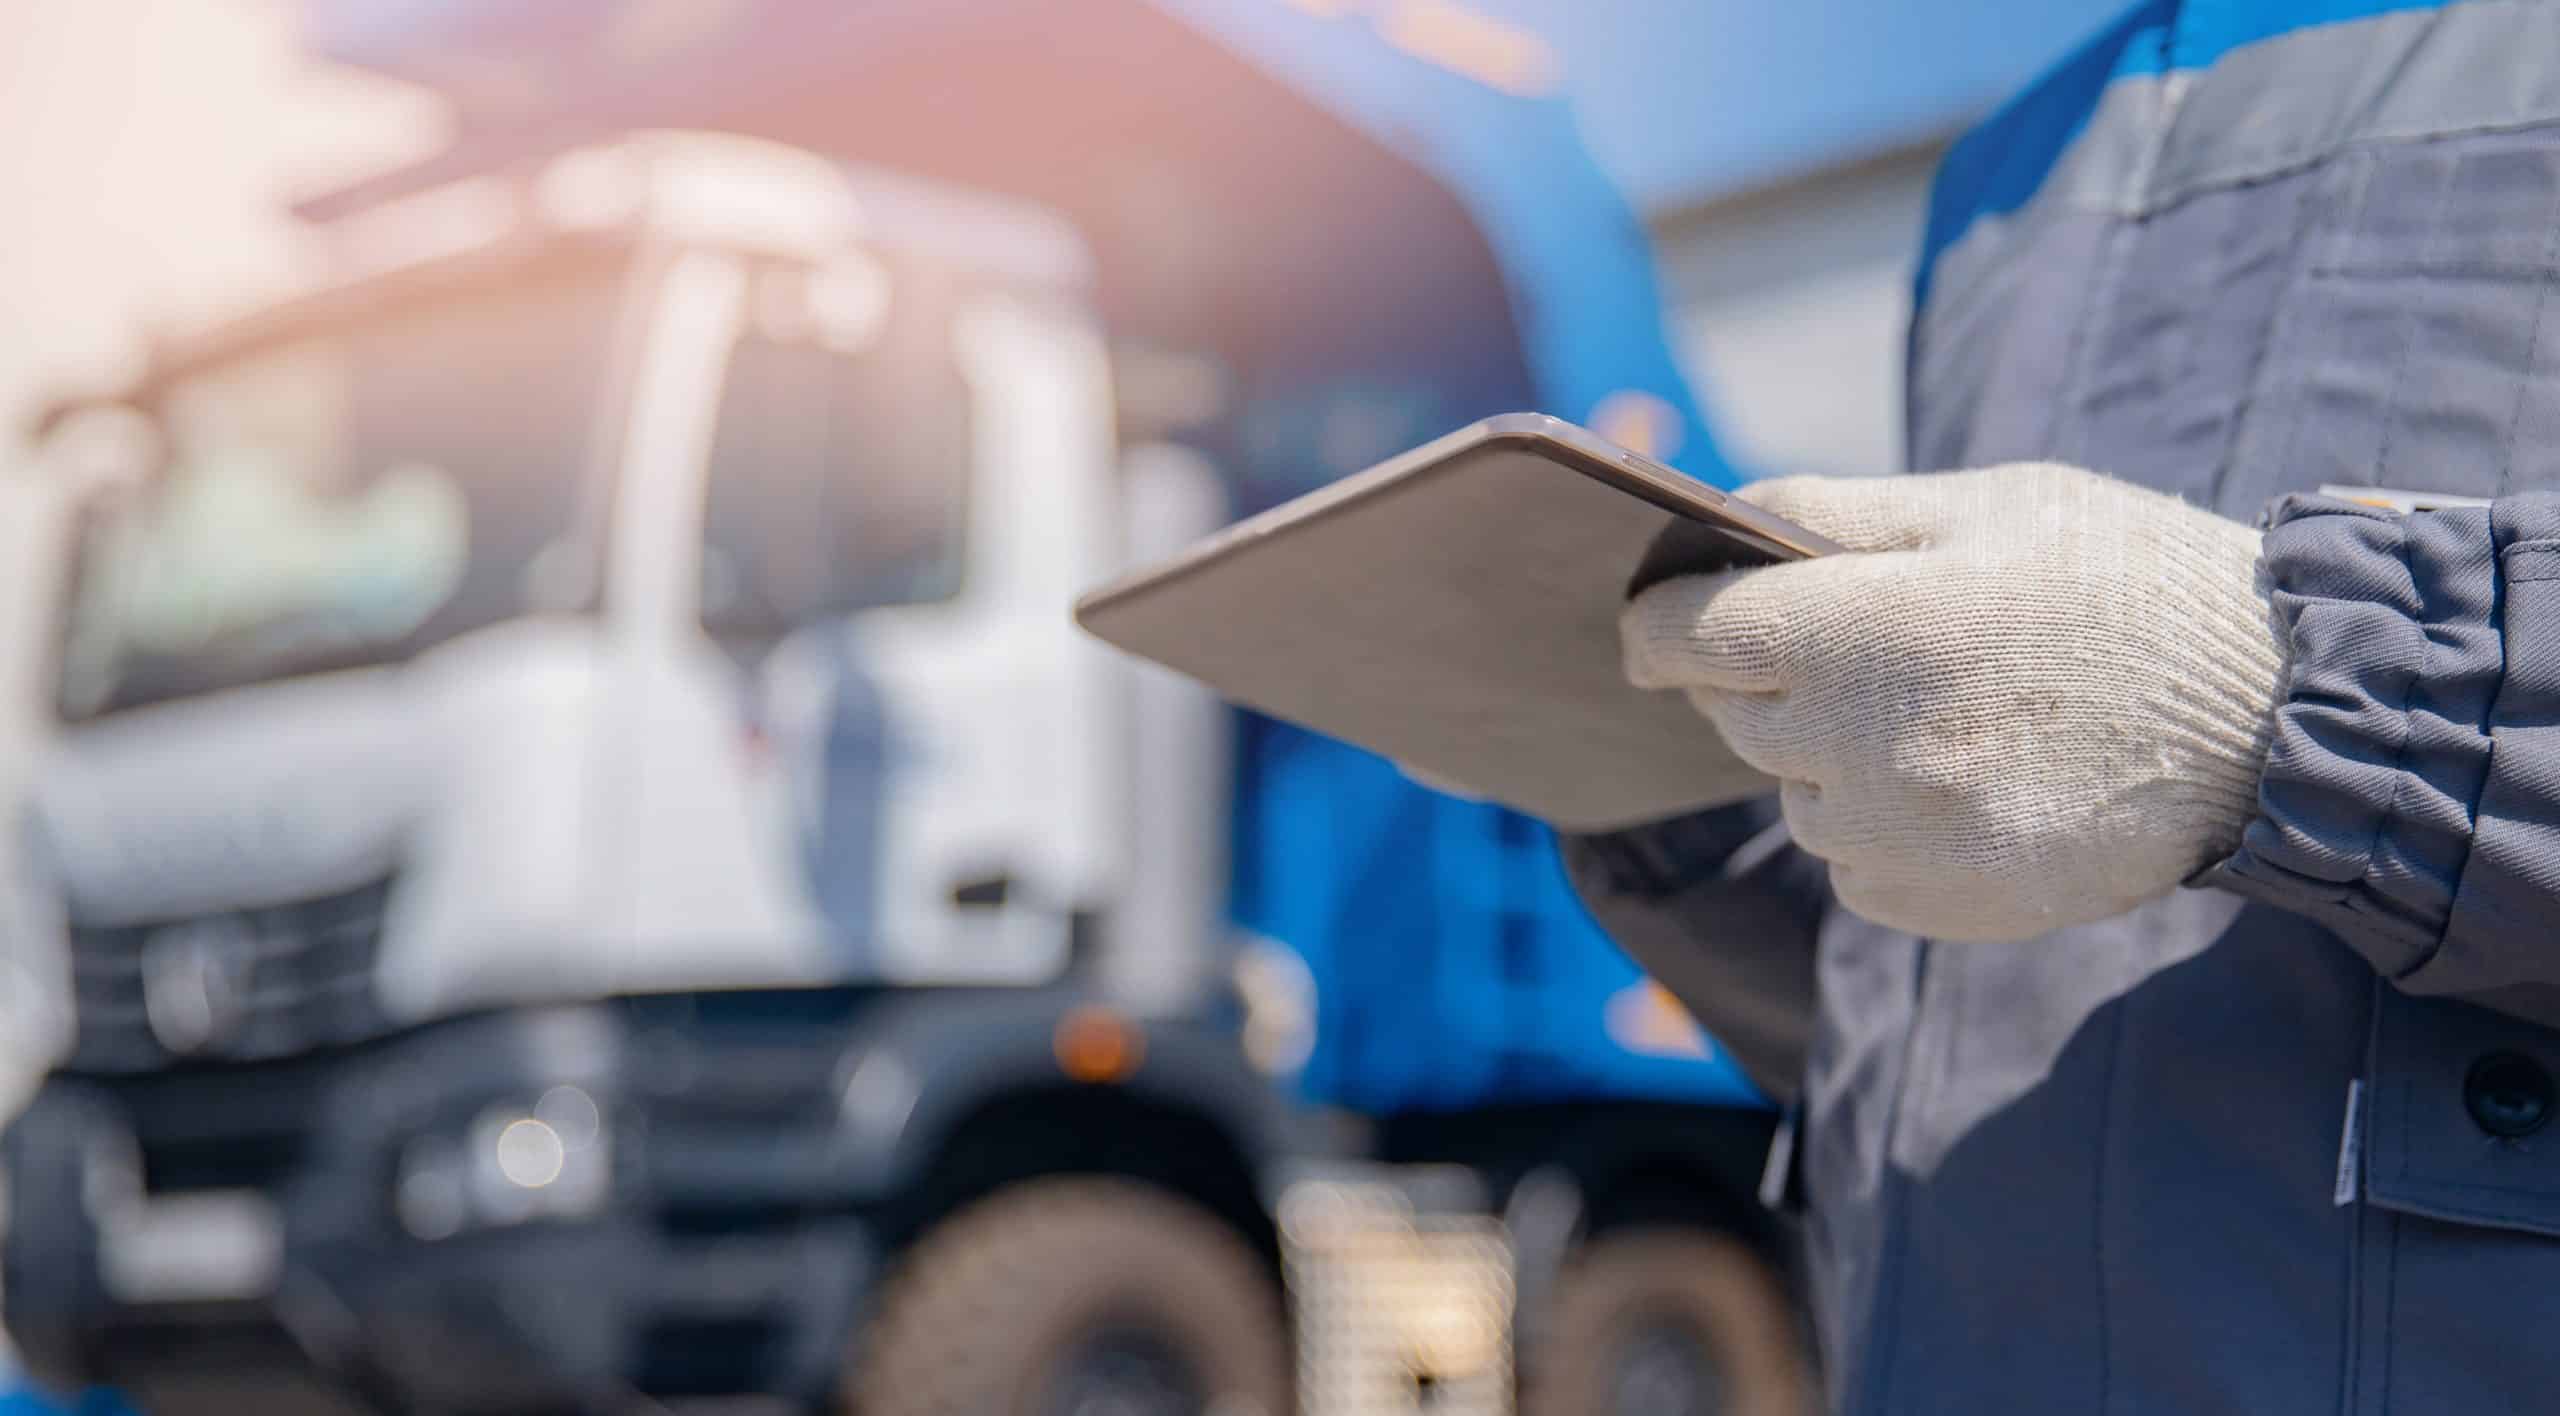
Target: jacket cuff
{"x": 2382, "y": 736}
{"x": 2381, "y": 747}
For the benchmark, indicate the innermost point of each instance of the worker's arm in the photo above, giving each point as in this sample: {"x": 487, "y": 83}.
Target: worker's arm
{"x": 2037, "y": 698}
{"x": 2411, "y": 795}
{"x": 1721, "y": 908}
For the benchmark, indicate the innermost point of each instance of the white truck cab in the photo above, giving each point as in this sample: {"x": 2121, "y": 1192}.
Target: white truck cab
{"x": 572, "y": 777}
{"x": 645, "y": 572}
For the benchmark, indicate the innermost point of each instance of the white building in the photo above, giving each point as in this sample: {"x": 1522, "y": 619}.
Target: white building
{"x": 1789, "y": 309}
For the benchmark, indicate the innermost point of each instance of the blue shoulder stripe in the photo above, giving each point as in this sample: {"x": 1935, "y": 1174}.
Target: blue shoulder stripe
{"x": 1998, "y": 166}
{"x": 2208, "y": 29}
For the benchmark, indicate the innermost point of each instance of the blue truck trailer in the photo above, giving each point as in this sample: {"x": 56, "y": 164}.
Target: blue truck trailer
{"x": 651, "y": 900}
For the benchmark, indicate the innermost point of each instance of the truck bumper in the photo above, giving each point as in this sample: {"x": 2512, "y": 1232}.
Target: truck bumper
{"x": 594, "y": 1313}
{"x": 181, "y": 1234}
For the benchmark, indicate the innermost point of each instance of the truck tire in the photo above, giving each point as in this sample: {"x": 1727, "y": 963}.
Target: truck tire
{"x": 1067, "y": 1296}
{"x": 1668, "y": 1321}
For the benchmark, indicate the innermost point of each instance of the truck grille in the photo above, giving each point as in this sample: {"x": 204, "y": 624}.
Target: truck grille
{"x": 228, "y": 987}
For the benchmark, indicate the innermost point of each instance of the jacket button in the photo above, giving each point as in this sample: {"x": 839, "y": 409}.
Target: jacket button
{"x": 2509, "y": 1094}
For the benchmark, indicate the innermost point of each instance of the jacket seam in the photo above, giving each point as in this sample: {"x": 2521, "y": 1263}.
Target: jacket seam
{"x": 2294, "y": 162}
{"x": 2113, "y": 255}
{"x": 2107, "y": 1149}
{"x": 2532, "y": 351}
{"x": 2487, "y": 272}
{"x": 2402, "y": 1092}
{"x": 2485, "y": 1187}
{"x": 2411, "y": 328}
{"x": 2361, "y": 1216}
{"x": 2280, "y": 323}
{"x": 2389, "y": 1314}
{"x": 2354, "y": 199}
{"x": 2474, "y": 1216}
{"x": 2113, "y": 259}
{"x": 2541, "y": 546}
{"x": 1883, "y": 1354}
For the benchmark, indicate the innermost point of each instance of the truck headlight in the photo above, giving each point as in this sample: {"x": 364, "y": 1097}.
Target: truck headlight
{"x": 515, "y": 1164}
{"x": 1278, "y": 992}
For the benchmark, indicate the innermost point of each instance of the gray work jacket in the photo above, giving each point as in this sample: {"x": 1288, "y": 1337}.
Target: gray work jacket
{"x": 2286, "y": 1141}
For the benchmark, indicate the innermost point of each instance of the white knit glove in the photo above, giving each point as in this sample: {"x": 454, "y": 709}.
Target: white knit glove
{"x": 2038, "y": 698}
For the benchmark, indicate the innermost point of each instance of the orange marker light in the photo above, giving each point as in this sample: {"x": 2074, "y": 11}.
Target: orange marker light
{"x": 1098, "y": 1045}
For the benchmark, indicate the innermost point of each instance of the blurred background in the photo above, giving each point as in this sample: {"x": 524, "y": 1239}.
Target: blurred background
{"x": 564, "y": 853}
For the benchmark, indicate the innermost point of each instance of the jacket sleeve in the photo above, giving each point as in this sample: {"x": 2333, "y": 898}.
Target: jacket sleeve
{"x": 2411, "y": 797}
{"x": 1721, "y": 908}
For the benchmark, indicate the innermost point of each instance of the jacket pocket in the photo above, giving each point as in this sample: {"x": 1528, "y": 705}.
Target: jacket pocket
{"x": 2458, "y": 1264}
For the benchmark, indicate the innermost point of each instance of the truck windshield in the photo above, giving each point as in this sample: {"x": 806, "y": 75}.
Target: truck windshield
{"x": 347, "y": 499}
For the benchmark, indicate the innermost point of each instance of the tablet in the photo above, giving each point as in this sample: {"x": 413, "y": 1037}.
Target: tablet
{"x": 1455, "y": 610}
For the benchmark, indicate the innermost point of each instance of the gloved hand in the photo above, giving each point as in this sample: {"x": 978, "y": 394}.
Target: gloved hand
{"x": 2036, "y": 697}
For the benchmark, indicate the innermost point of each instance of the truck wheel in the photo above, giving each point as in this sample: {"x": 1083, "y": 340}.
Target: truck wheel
{"x": 1076, "y": 1297}
{"x": 1668, "y": 1322}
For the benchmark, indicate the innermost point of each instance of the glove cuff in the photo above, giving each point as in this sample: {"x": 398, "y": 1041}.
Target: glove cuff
{"x": 2222, "y": 630}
